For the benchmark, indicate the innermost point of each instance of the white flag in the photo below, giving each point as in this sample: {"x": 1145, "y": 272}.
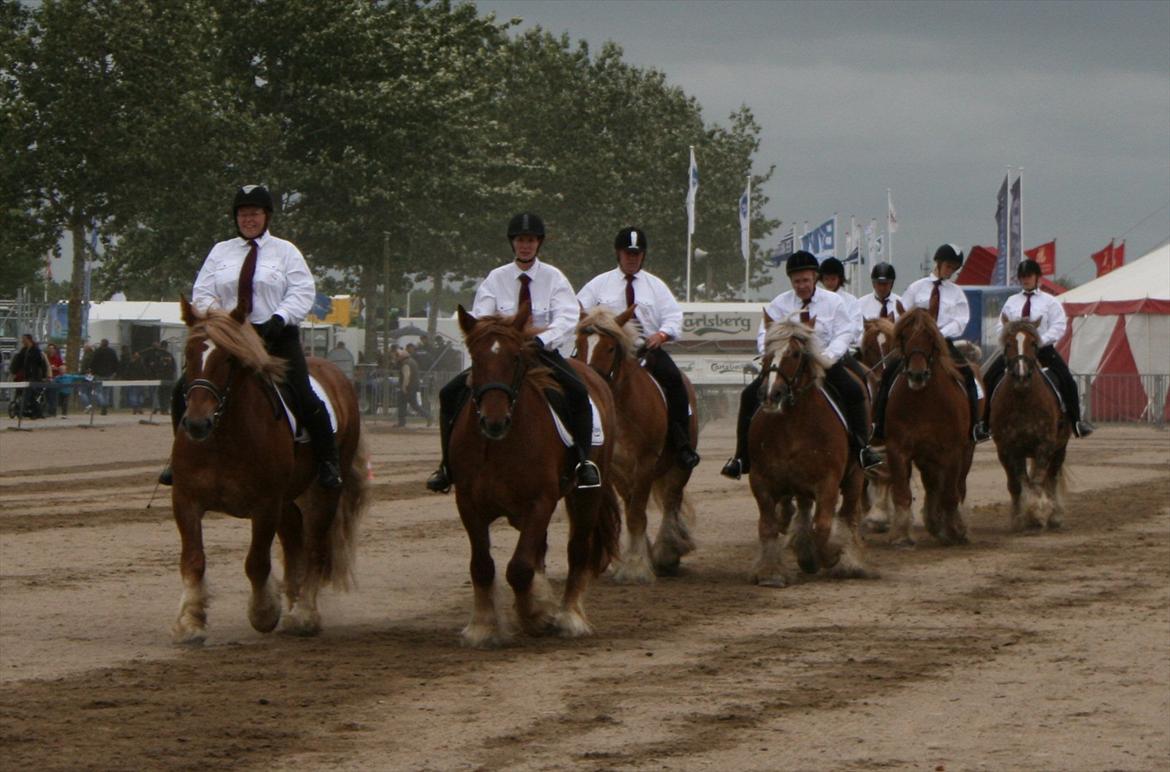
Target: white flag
{"x": 892, "y": 217}
{"x": 745, "y": 218}
{"x": 870, "y": 240}
{"x": 692, "y": 189}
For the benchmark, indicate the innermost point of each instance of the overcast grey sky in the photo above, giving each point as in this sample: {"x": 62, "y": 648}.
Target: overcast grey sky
{"x": 931, "y": 99}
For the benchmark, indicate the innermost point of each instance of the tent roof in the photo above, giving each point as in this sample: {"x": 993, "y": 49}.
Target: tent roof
{"x": 1142, "y": 286}
{"x": 135, "y": 310}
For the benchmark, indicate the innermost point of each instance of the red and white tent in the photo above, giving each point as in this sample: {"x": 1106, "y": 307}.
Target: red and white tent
{"x": 1119, "y": 328}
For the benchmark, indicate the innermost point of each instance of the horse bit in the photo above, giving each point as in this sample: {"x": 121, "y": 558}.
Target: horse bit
{"x": 790, "y": 393}
{"x": 221, "y": 397}
{"x": 511, "y": 390}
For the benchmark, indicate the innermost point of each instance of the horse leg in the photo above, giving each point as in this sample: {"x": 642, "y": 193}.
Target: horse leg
{"x": 827, "y": 550}
{"x": 486, "y": 627}
{"x": 320, "y": 507}
{"x": 931, "y": 482}
{"x": 801, "y": 536}
{"x": 290, "y": 531}
{"x": 903, "y": 520}
{"x": 674, "y": 533}
{"x": 1013, "y": 471}
{"x": 264, "y": 605}
{"x": 877, "y": 504}
{"x": 1056, "y": 488}
{"x": 191, "y": 625}
{"x": 769, "y": 568}
{"x": 582, "y": 508}
{"x": 952, "y": 528}
{"x": 534, "y": 613}
{"x": 634, "y": 565}
{"x": 847, "y": 526}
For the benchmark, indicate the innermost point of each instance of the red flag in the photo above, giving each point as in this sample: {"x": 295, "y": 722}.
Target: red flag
{"x": 1045, "y": 255}
{"x": 1119, "y": 256}
{"x": 1106, "y": 258}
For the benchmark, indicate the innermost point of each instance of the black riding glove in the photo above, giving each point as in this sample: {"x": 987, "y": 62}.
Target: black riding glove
{"x": 271, "y": 329}
{"x": 539, "y": 344}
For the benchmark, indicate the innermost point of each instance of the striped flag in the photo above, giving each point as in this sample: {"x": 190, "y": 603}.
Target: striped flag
{"x": 745, "y": 218}
{"x": 692, "y": 189}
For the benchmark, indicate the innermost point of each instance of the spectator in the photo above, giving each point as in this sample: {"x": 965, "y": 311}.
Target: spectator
{"x": 408, "y": 383}
{"x": 158, "y": 364}
{"x": 30, "y": 364}
{"x": 58, "y": 393}
{"x": 87, "y": 392}
{"x": 131, "y": 369}
{"x": 341, "y": 357}
{"x": 105, "y": 367}
{"x": 424, "y": 353}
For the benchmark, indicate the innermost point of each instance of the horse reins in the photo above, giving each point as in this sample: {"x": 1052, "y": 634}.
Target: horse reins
{"x": 511, "y": 390}
{"x": 791, "y": 394}
{"x": 221, "y": 397}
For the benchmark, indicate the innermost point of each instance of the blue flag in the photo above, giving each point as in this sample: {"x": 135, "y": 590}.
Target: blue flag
{"x": 322, "y": 306}
{"x": 822, "y": 240}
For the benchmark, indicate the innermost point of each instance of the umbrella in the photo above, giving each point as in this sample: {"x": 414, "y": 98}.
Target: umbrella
{"x": 409, "y": 329}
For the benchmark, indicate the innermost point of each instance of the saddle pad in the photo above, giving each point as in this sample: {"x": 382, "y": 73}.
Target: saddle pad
{"x": 835, "y": 406}
{"x": 662, "y": 391}
{"x": 598, "y": 437}
{"x": 299, "y": 433}
{"x": 1047, "y": 379}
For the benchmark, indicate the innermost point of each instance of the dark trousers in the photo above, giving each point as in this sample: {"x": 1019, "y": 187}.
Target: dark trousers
{"x": 409, "y": 401}
{"x": 1049, "y": 357}
{"x": 895, "y": 367}
{"x": 850, "y": 393}
{"x": 453, "y": 396}
{"x": 678, "y": 405}
{"x": 307, "y": 406}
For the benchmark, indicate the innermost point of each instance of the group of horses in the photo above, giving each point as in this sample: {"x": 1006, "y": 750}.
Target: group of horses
{"x": 235, "y": 452}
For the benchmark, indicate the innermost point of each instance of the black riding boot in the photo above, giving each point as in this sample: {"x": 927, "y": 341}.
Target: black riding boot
{"x": 588, "y": 475}
{"x": 852, "y": 397}
{"x": 879, "y": 404}
{"x": 178, "y": 408}
{"x": 979, "y": 431}
{"x": 680, "y": 433}
{"x": 991, "y": 379}
{"x": 324, "y": 446}
{"x": 749, "y": 402}
{"x": 451, "y": 399}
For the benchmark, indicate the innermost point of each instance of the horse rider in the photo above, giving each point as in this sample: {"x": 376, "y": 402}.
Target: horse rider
{"x": 659, "y": 319}
{"x": 1030, "y": 304}
{"x": 947, "y": 303}
{"x": 826, "y": 314}
{"x": 282, "y": 293}
{"x": 832, "y": 274}
{"x": 554, "y": 307}
{"x": 883, "y": 302}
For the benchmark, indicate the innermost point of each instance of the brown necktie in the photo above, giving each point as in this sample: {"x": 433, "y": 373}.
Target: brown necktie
{"x": 804, "y": 315}
{"x": 1027, "y": 312}
{"x": 885, "y": 309}
{"x": 525, "y": 294}
{"x": 934, "y": 299}
{"x": 247, "y": 273}
{"x": 629, "y": 290}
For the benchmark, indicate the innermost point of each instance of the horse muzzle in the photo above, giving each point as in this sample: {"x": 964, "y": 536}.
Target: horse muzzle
{"x": 198, "y": 429}
{"x": 495, "y": 429}
{"x": 916, "y": 379}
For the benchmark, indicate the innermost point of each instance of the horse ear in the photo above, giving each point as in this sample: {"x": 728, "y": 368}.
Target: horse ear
{"x": 466, "y": 320}
{"x": 767, "y": 319}
{"x": 523, "y": 315}
{"x": 625, "y": 316}
{"x": 186, "y": 311}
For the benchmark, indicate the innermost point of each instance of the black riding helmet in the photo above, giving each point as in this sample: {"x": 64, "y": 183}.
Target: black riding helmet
{"x": 252, "y": 195}
{"x": 949, "y": 253}
{"x": 801, "y": 261}
{"x": 1028, "y": 268}
{"x": 630, "y": 239}
{"x": 882, "y": 272}
{"x": 833, "y": 267}
{"x": 526, "y": 224}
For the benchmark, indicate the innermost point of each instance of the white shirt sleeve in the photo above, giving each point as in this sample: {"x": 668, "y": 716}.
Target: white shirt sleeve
{"x": 301, "y": 290}
{"x": 564, "y": 310}
{"x": 1057, "y": 323}
{"x": 958, "y": 316}
{"x": 842, "y": 322}
{"x": 670, "y": 314}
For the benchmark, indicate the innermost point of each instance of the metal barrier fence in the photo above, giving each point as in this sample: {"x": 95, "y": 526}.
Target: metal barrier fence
{"x": 1111, "y": 398}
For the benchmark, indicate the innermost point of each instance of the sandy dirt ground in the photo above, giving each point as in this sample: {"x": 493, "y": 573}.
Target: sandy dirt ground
{"x": 1022, "y": 652}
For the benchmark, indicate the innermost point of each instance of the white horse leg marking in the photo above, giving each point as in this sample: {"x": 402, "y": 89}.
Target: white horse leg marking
{"x": 191, "y": 626}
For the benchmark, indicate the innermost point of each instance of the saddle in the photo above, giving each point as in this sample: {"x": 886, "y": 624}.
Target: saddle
{"x": 283, "y": 398}
{"x": 558, "y": 407}
{"x": 1053, "y": 386}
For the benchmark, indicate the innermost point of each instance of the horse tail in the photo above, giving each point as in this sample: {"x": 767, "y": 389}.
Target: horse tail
{"x": 607, "y": 532}
{"x": 339, "y": 568}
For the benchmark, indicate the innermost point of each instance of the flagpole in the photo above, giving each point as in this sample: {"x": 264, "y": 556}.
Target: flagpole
{"x": 1020, "y": 179}
{"x": 688, "y": 265}
{"x": 1007, "y": 258}
{"x": 691, "y": 195}
{"x": 747, "y": 262}
{"x": 889, "y": 238}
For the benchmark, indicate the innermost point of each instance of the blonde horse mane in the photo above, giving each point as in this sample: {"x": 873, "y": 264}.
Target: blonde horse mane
{"x": 239, "y": 340}
{"x": 505, "y": 327}
{"x": 604, "y": 321}
{"x": 920, "y": 322}
{"x": 780, "y": 333}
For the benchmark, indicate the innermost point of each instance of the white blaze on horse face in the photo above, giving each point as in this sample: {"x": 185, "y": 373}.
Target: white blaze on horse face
{"x": 495, "y": 349}
{"x": 1021, "y": 370}
{"x": 208, "y": 347}
{"x": 591, "y": 346}
{"x": 771, "y": 381}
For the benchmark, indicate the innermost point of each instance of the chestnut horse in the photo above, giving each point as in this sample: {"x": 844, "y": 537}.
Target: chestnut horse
{"x": 877, "y": 350}
{"x": 235, "y": 453}
{"x": 1027, "y": 423}
{"x": 800, "y": 450}
{"x": 507, "y": 459}
{"x": 644, "y": 461}
{"x": 928, "y": 425}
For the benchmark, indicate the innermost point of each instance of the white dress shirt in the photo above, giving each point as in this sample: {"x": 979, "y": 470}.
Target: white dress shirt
{"x": 854, "y": 308}
{"x": 282, "y": 283}
{"x": 953, "y": 312}
{"x": 1046, "y": 312}
{"x": 833, "y": 325}
{"x": 554, "y": 306}
{"x": 871, "y": 307}
{"x": 657, "y": 310}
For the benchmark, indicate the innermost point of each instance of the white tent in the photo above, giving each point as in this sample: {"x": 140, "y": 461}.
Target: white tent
{"x": 1119, "y": 332}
